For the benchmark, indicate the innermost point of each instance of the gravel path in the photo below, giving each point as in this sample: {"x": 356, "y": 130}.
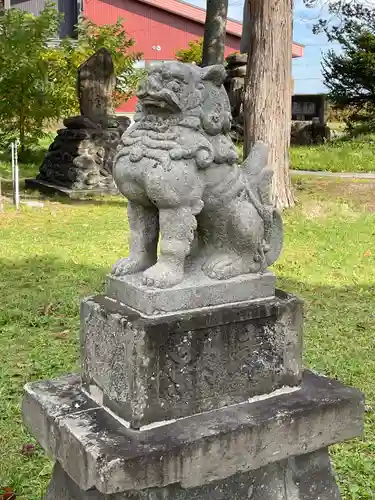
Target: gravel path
{"x": 342, "y": 175}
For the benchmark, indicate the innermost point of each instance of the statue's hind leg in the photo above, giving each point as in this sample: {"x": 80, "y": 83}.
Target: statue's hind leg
{"x": 144, "y": 231}
{"x": 238, "y": 251}
{"x": 222, "y": 266}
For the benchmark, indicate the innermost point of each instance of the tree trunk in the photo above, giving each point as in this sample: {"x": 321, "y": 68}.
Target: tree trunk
{"x": 268, "y": 94}
{"x": 214, "y": 32}
{"x": 245, "y": 37}
{"x": 22, "y": 130}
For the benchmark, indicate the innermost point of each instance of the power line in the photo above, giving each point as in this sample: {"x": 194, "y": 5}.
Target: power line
{"x": 307, "y": 65}
{"x": 321, "y": 44}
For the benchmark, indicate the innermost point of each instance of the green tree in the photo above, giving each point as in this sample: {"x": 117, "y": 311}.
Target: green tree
{"x": 193, "y": 54}
{"x": 27, "y": 95}
{"x": 349, "y": 74}
{"x": 215, "y": 32}
{"x": 115, "y": 39}
{"x": 38, "y": 80}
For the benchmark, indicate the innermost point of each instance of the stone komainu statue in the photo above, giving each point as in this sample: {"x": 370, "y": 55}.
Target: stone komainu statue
{"x": 178, "y": 168}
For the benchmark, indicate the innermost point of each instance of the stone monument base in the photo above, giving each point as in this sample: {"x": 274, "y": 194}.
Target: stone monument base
{"x": 79, "y": 161}
{"x": 73, "y": 194}
{"x": 272, "y": 447}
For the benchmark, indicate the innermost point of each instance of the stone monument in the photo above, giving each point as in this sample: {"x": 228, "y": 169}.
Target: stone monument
{"x": 191, "y": 383}
{"x": 80, "y": 159}
{"x": 235, "y": 84}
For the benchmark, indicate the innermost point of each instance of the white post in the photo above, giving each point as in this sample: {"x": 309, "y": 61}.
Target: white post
{"x": 13, "y": 175}
{"x": 1, "y": 199}
{"x": 16, "y": 176}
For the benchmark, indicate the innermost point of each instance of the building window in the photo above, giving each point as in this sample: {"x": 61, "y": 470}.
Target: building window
{"x": 70, "y": 10}
{"x": 141, "y": 64}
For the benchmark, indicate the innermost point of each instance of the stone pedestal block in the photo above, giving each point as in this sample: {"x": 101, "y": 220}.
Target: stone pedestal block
{"x": 209, "y": 404}
{"x": 150, "y": 369}
{"x": 271, "y": 448}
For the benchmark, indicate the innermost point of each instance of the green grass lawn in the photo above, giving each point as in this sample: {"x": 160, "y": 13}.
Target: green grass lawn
{"x": 354, "y": 155}
{"x": 341, "y": 155}
{"x": 53, "y": 256}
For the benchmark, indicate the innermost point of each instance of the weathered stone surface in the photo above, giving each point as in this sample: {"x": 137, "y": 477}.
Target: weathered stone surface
{"x": 96, "y": 83}
{"x": 178, "y": 168}
{"x": 238, "y": 71}
{"x": 307, "y": 132}
{"x": 196, "y": 291}
{"x": 149, "y": 369}
{"x": 74, "y": 194}
{"x": 81, "y": 159}
{"x": 235, "y": 84}
{"x": 79, "y": 122}
{"x": 306, "y": 477}
{"x": 237, "y": 59}
{"x": 81, "y": 156}
{"x": 97, "y": 451}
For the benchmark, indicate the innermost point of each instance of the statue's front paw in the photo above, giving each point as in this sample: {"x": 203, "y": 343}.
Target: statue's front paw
{"x": 131, "y": 265}
{"x": 163, "y": 275}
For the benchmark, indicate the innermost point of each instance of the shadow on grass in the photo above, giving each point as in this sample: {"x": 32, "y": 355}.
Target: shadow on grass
{"x": 113, "y": 200}
{"x": 342, "y": 317}
{"x": 35, "y": 279}
{"x": 30, "y": 194}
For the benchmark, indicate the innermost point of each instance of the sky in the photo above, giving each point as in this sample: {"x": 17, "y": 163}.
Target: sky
{"x": 306, "y": 70}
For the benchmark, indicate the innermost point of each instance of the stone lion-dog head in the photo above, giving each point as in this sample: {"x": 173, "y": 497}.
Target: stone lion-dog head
{"x": 177, "y": 88}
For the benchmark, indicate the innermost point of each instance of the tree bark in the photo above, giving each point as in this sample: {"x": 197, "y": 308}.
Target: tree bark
{"x": 245, "y": 37}
{"x": 268, "y": 94}
{"x": 22, "y": 129}
{"x": 215, "y": 32}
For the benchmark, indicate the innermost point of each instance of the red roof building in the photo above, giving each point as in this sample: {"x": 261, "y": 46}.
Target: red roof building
{"x": 160, "y": 28}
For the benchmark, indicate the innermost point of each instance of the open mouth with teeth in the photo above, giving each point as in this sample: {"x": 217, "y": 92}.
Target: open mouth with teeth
{"x": 163, "y": 99}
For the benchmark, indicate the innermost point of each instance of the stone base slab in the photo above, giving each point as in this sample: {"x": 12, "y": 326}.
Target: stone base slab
{"x": 99, "y": 453}
{"x": 195, "y": 292}
{"x": 73, "y": 194}
{"x": 306, "y": 477}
